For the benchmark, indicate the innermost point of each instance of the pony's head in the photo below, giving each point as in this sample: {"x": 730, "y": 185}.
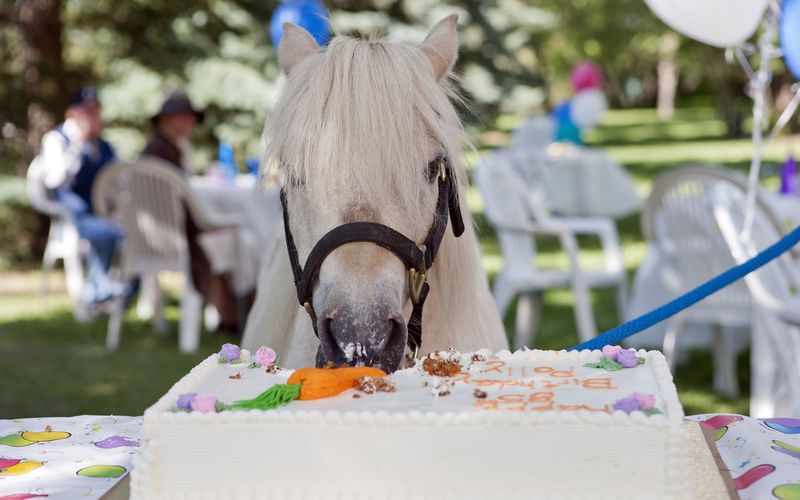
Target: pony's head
{"x": 356, "y": 135}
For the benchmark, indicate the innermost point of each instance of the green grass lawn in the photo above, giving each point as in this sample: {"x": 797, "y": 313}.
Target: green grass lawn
{"x": 53, "y": 366}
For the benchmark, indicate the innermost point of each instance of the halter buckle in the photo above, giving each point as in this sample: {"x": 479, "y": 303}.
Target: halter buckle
{"x": 313, "y": 315}
{"x": 417, "y": 279}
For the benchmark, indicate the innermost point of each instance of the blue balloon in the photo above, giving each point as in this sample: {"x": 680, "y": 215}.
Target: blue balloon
{"x": 790, "y": 35}
{"x": 310, "y": 15}
{"x": 566, "y": 130}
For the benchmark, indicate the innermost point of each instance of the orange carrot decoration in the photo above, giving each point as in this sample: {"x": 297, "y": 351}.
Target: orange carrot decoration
{"x": 320, "y": 383}
{"x": 307, "y": 384}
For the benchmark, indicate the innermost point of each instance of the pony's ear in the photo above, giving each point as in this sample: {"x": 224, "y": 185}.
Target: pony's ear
{"x": 296, "y": 45}
{"x": 441, "y": 46}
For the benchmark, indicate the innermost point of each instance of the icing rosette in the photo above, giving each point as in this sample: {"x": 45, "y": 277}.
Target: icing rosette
{"x": 638, "y": 401}
{"x": 185, "y": 400}
{"x": 265, "y": 356}
{"x": 616, "y": 358}
{"x": 204, "y": 403}
{"x": 229, "y": 353}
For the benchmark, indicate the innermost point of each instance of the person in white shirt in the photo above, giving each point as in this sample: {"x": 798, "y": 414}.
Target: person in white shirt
{"x": 72, "y": 155}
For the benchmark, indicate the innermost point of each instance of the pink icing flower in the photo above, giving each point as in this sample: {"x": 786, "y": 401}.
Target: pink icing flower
{"x": 610, "y": 351}
{"x": 230, "y": 352}
{"x": 265, "y": 356}
{"x": 204, "y": 403}
{"x": 646, "y": 401}
{"x": 627, "y": 358}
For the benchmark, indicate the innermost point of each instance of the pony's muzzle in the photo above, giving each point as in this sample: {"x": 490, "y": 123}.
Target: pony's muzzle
{"x": 374, "y": 335}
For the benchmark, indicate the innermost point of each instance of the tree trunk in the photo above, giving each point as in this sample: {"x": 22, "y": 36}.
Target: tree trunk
{"x": 40, "y": 22}
{"x": 667, "y": 77}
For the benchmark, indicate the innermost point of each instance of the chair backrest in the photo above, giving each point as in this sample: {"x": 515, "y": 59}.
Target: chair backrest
{"x": 505, "y": 203}
{"x": 775, "y": 284}
{"x": 37, "y": 192}
{"x": 147, "y": 198}
{"x": 774, "y": 289}
{"x": 537, "y": 131}
{"x": 678, "y": 219}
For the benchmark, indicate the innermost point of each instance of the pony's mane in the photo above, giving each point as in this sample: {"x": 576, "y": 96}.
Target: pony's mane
{"x": 363, "y": 116}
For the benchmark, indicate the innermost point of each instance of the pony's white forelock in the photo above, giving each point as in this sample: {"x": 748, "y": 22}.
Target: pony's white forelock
{"x": 364, "y": 116}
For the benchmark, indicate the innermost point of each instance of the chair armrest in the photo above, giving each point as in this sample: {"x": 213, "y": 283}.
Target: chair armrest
{"x": 603, "y": 228}
{"x": 531, "y": 229}
{"x": 52, "y": 209}
{"x": 218, "y": 221}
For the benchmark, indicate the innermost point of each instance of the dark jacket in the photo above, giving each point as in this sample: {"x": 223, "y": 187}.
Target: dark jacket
{"x": 162, "y": 147}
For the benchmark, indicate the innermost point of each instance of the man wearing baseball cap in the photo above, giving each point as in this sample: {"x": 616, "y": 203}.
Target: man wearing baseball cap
{"x": 72, "y": 155}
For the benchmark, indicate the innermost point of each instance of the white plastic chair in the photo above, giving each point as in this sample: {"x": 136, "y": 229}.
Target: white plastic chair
{"x": 63, "y": 241}
{"x": 148, "y": 198}
{"x": 775, "y": 354}
{"x": 678, "y": 220}
{"x": 518, "y": 219}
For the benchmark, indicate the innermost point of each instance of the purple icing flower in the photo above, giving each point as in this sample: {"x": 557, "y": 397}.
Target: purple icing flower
{"x": 646, "y": 401}
{"x": 204, "y": 403}
{"x": 627, "y": 358}
{"x": 628, "y": 405}
{"x": 230, "y": 352}
{"x": 265, "y": 356}
{"x": 185, "y": 399}
{"x": 610, "y": 351}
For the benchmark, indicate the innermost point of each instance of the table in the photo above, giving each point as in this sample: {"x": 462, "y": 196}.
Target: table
{"x": 578, "y": 181}
{"x": 763, "y": 456}
{"x": 257, "y": 211}
{"x": 257, "y": 207}
{"x": 66, "y": 458}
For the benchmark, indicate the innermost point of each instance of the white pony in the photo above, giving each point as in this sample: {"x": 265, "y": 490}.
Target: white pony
{"x": 353, "y": 135}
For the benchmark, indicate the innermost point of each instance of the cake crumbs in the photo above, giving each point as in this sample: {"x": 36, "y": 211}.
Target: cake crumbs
{"x": 441, "y": 386}
{"x": 477, "y": 357}
{"x": 272, "y": 368}
{"x": 441, "y": 367}
{"x": 235, "y": 377}
{"x": 371, "y": 385}
{"x": 479, "y": 394}
{"x": 356, "y": 396}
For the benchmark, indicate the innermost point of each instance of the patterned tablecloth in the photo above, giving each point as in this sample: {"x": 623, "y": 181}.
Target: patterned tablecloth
{"x": 66, "y": 458}
{"x": 84, "y": 457}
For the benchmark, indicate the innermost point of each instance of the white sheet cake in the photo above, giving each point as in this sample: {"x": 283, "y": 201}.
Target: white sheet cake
{"x": 523, "y": 425}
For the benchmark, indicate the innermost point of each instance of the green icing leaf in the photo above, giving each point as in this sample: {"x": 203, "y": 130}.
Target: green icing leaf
{"x": 236, "y": 361}
{"x": 651, "y": 412}
{"x": 605, "y": 364}
{"x": 254, "y": 365}
{"x": 275, "y": 396}
{"x": 640, "y": 360}
{"x": 222, "y": 359}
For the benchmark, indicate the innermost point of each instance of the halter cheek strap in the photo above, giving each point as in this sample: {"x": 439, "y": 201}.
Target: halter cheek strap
{"x": 417, "y": 259}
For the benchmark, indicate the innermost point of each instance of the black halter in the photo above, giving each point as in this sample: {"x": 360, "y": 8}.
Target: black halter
{"x": 417, "y": 259}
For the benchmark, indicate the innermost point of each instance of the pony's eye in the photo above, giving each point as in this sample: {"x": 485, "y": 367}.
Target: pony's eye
{"x": 433, "y": 168}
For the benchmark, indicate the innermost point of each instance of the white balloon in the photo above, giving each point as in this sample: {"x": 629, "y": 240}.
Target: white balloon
{"x": 721, "y": 23}
{"x": 588, "y": 107}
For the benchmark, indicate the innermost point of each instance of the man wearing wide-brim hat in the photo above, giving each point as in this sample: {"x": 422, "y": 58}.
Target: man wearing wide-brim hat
{"x": 173, "y": 126}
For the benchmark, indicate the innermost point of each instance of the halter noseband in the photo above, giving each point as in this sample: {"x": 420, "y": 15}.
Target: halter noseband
{"x": 418, "y": 259}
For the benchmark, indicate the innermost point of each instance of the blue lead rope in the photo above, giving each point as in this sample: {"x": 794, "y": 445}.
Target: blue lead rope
{"x": 634, "y": 326}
